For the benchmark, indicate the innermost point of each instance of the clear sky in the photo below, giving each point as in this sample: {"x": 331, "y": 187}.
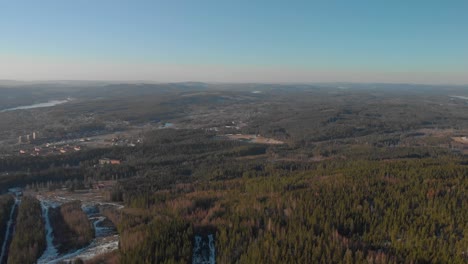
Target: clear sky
{"x": 418, "y": 41}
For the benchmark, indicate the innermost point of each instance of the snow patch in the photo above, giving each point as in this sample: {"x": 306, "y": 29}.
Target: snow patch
{"x": 106, "y": 240}
{"x": 51, "y": 251}
{"x": 204, "y": 251}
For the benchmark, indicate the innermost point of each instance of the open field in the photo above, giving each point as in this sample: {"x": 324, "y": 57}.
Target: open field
{"x": 254, "y": 139}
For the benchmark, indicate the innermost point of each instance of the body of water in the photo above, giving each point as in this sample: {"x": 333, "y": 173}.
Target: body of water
{"x": 460, "y": 97}
{"x": 39, "y": 105}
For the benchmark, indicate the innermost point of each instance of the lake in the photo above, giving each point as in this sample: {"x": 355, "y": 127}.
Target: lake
{"x": 38, "y": 105}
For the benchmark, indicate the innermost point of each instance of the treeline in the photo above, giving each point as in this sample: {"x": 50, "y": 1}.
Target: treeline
{"x": 57, "y": 174}
{"x": 29, "y": 240}
{"x": 72, "y": 229}
{"x": 33, "y": 164}
{"x": 162, "y": 150}
{"x": 49, "y": 170}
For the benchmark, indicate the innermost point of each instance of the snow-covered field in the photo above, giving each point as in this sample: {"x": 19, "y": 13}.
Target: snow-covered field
{"x": 106, "y": 238}
{"x": 99, "y": 246}
{"x": 51, "y": 251}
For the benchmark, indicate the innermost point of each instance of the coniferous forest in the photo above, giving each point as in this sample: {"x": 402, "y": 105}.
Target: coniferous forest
{"x": 408, "y": 210}
{"x": 28, "y": 242}
{"x": 321, "y": 178}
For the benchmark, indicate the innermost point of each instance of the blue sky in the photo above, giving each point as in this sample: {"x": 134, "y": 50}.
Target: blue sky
{"x": 241, "y": 41}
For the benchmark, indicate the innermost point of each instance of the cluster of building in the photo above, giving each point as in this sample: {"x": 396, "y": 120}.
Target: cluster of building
{"x": 106, "y": 161}
{"x": 118, "y": 141}
{"x": 27, "y": 138}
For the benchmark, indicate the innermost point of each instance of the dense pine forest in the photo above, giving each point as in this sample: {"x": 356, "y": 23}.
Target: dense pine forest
{"x": 6, "y": 202}
{"x": 29, "y": 239}
{"x": 408, "y": 210}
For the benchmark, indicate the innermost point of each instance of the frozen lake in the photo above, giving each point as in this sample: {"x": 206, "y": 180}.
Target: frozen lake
{"x": 459, "y": 97}
{"x": 38, "y": 105}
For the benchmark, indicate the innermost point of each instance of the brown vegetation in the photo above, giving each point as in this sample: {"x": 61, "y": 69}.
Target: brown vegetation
{"x": 72, "y": 229}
